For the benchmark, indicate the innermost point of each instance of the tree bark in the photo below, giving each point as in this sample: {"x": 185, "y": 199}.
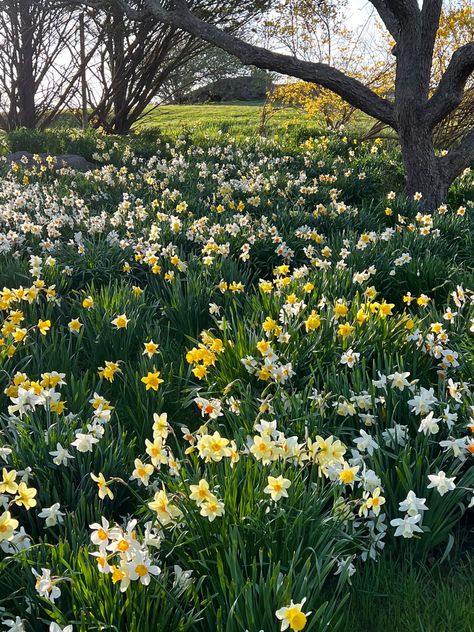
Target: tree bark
{"x": 424, "y": 172}
{"x": 120, "y": 112}
{"x": 26, "y": 78}
{"x": 83, "y": 70}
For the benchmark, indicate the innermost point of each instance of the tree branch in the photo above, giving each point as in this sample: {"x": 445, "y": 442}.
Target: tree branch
{"x": 430, "y": 16}
{"x": 450, "y": 91}
{"x": 459, "y": 158}
{"x": 404, "y": 10}
{"x": 388, "y": 17}
{"x": 351, "y": 90}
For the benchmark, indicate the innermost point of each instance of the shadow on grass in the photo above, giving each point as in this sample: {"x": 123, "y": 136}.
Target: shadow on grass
{"x": 399, "y": 595}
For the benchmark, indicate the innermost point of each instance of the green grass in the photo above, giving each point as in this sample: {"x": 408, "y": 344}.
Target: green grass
{"x": 235, "y": 118}
{"x": 239, "y": 119}
{"x": 394, "y": 596}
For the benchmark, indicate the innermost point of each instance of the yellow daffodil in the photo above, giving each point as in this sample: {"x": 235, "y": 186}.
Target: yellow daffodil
{"x": 75, "y": 325}
{"x": 121, "y": 321}
{"x": 292, "y": 617}
{"x": 313, "y": 322}
{"x": 25, "y": 496}
{"x": 200, "y": 493}
{"x": 152, "y": 380}
{"x": 44, "y": 326}
{"x": 150, "y": 348}
{"x": 108, "y": 372}
{"x": 7, "y": 526}
{"x": 8, "y": 484}
{"x": 88, "y": 302}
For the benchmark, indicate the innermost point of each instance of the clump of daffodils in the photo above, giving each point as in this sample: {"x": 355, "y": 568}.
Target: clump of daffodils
{"x": 123, "y": 554}
{"x": 205, "y": 354}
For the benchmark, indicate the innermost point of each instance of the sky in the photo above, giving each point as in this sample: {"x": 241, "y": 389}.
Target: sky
{"x": 359, "y": 11}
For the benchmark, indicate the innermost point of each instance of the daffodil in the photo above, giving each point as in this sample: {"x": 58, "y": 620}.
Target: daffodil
{"x": 25, "y": 496}
{"x": 211, "y": 509}
{"x": 142, "y": 472}
{"x": 340, "y": 310}
{"x": 200, "y": 371}
{"x": 200, "y": 492}
{"x": 102, "y": 484}
{"x": 88, "y": 302}
{"x": 161, "y": 427}
{"x": 7, "y": 526}
{"x": 441, "y": 482}
{"x": 8, "y": 484}
{"x": 150, "y": 348}
{"x": 375, "y": 501}
{"x": 347, "y": 474}
{"x": 157, "y": 451}
{"x": 75, "y": 325}
{"x": 313, "y": 322}
{"x": 292, "y": 616}
{"x": 152, "y": 380}
{"x": 277, "y": 487}
{"x": 166, "y": 512}
{"x": 213, "y": 447}
{"x": 141, "y": 569}
{"x": 121, "y": 321}
{"x": 44, "y": 326}
{"x": 345, "y": 329}
{"x": 109, "y": 371}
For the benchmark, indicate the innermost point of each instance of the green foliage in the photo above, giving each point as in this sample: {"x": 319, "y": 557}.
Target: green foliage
{"x": 177, "y": 232}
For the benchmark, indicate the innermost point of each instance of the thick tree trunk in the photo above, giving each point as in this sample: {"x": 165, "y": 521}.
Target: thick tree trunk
{"x": 413, "y": 114}
{"x": 423, "y": 172}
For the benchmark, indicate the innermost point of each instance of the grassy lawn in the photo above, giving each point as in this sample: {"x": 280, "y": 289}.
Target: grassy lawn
{"x": 394, "y": 595}
{"x": 233, "y": 117}
{"x": 237, "y": 118}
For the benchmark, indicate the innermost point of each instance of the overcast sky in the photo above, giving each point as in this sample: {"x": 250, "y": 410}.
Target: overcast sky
{"x": 359, "y": 10}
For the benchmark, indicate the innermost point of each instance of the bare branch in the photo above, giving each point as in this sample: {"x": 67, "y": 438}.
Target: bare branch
{"x": 459, "y": 158}
{"x": 449, "y": 93}
{"x": 430, "y": 16}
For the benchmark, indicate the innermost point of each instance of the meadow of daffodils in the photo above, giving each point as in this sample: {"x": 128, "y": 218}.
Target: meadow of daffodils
{"x": 231, "y": 375}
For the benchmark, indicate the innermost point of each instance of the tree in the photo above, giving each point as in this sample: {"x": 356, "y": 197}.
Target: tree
{"x": 140, "y": 62}
{"x": 316, "y": 31}
{"x": 38, "y": 69}
{"x": 211, "y": 65}
{"x": 134, "y": 62}
{"x": 413, "y": 112}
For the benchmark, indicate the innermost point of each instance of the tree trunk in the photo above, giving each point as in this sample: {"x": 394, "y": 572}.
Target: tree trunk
{"x": 120, "y": 123}
{"x": 83, "y": 69}
{"x": 26, "y": 79}
{"x": 423, "y": 173}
